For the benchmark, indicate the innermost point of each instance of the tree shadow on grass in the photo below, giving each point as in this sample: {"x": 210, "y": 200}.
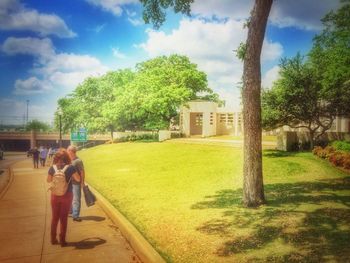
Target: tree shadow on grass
{"x": 312, "y": 217}
{"x": 277, "y": 154}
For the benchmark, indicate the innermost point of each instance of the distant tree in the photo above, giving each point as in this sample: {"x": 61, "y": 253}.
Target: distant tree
{"x": 330, "y": 58}
{"x": 253, "y": 190}
{"x": 296, "y": 100}
{"x": 147, "y": 98}
{"x": 88, "y": 105}
{"x": 312, "y": 93}
{"x": 37, "y": 126}
{"x": 160, "y": 87}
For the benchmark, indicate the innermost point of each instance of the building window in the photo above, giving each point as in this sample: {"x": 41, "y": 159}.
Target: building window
{"x": 230, "y": 119}
{"x": 211, "y": 118}
{"x": 199, "y": 119}
{"x": 222, "y": 118}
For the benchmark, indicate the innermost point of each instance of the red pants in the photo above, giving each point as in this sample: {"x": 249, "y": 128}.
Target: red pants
{"x": 60, "y": 208}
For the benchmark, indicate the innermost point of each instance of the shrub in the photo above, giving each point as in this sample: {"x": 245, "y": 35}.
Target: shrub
{"x": 316, "y": 151}
{"x": 341, "y": 145}
{"x": 141, "y": 137}
{"x": 346, "y": 161}
{"x": 328, "y": 151}
{"x": 174, "y": 135}
{"x": 337, "y": 158}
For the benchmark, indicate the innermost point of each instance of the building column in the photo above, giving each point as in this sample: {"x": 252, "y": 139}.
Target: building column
{"x": 32, "y": 139}
{"x": 236, "y": 123}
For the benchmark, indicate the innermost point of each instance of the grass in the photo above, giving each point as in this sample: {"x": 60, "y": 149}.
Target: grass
{"x": 186, "y": 200}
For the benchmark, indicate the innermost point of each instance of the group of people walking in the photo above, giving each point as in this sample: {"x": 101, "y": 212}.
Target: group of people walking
{"x": 66, "y": 195}
{"x": 41, "y": 154}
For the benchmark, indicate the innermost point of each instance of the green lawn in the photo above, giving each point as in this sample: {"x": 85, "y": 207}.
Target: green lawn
{"x": 186, "y": 200}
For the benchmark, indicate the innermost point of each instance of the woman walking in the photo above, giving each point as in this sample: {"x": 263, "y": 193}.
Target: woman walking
{"x": 61, "y": 193}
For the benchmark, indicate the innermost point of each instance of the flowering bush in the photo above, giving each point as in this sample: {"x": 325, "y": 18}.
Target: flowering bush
{"x": 317, "y": 150}
{"x": 337, "y": 158}
{"x": 346, "y": 161}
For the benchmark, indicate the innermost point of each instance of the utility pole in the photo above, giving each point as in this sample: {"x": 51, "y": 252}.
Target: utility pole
{"x": 27, "y": 111}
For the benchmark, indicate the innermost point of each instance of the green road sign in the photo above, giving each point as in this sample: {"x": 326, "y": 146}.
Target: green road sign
{"x": 79, "y": 136}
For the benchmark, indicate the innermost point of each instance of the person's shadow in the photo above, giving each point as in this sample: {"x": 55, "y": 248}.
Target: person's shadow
{"x": 87, "y": 243}
{"x": 93, "y": 218}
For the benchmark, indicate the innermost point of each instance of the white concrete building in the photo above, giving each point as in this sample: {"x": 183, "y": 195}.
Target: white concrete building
{"x": 205, "y": 118}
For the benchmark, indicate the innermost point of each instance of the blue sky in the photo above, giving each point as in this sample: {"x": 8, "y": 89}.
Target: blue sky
{"x": 48, "y": 47}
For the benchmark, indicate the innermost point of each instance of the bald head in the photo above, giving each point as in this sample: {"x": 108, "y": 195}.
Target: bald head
{"x": 72, "y": 151}
{"x": 72, "y": 148}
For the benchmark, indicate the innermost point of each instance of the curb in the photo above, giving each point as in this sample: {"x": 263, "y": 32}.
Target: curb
{"x": 142, "y": 247}
{"x": 9, "y": 182}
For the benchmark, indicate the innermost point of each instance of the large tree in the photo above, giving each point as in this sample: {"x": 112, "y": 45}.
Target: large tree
{"x": 147, "y": 98}
{"x": 311, "y": 93}
{"x": 154, "y": 11}
{"x": 296, "y": 100}
{"x": 159, "y": 87}
{"x": 89, "y": 104}
{"x": 330, "y": 58}
{"x": 253, "y": 187}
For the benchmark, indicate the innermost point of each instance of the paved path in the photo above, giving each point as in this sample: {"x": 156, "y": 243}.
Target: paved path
{"x": 25, "y": 216}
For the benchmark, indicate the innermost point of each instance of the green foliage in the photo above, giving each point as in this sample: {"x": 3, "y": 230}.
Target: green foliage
{"x": 155, "y": 11}
{"x": 147, "y": 137}
{"x": 330, "y": 57}
{"x": 295, "y": 98}
{"x": 37, "y": 126}
{"x": 312, "y": 93}
{"x": 144, "y": 99}
{"x": 341, "y": 145}
{"x": 241, "y": 51}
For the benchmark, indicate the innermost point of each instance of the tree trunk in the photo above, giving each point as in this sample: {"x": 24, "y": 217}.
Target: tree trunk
{"x": 253, "y": 187}
{"x": 112, "y": 130}
{"x": 312, "y": 139}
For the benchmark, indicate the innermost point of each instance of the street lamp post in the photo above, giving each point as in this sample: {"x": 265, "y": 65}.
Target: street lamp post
{"x": 60, "y": 122}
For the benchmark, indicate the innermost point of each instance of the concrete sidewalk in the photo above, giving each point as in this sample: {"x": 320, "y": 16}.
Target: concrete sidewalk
{"x": 25, "y": 216}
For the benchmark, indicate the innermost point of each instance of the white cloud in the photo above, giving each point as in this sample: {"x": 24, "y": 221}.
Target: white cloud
{"x": 70, "y": 80}
{"x": 135, "y": 21}
{"x": 112, "y": 6}
{"x": 211, "y": 45}
{"x": 118, "y": 54}
{"x": 271, "y": 51}
{"x": 15, "y": 16}
{"x": 42, "y": 48}
{"x": 99, "y": 28}
{"x": 302, "y": 14}
{"x": 31, "y": 85}
{"x": 132, "y": 18}
{"x": 270, "y": 76}
{"x": 235, "y": 9}
{"x": 298, "y": 13}
{"x": 59, "y": 70}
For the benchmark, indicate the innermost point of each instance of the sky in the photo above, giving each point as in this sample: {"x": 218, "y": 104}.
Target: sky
{"x": 48, "y": 47}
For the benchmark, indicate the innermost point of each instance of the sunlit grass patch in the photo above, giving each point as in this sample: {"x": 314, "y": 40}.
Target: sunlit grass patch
{"x": 186, "y": 200}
